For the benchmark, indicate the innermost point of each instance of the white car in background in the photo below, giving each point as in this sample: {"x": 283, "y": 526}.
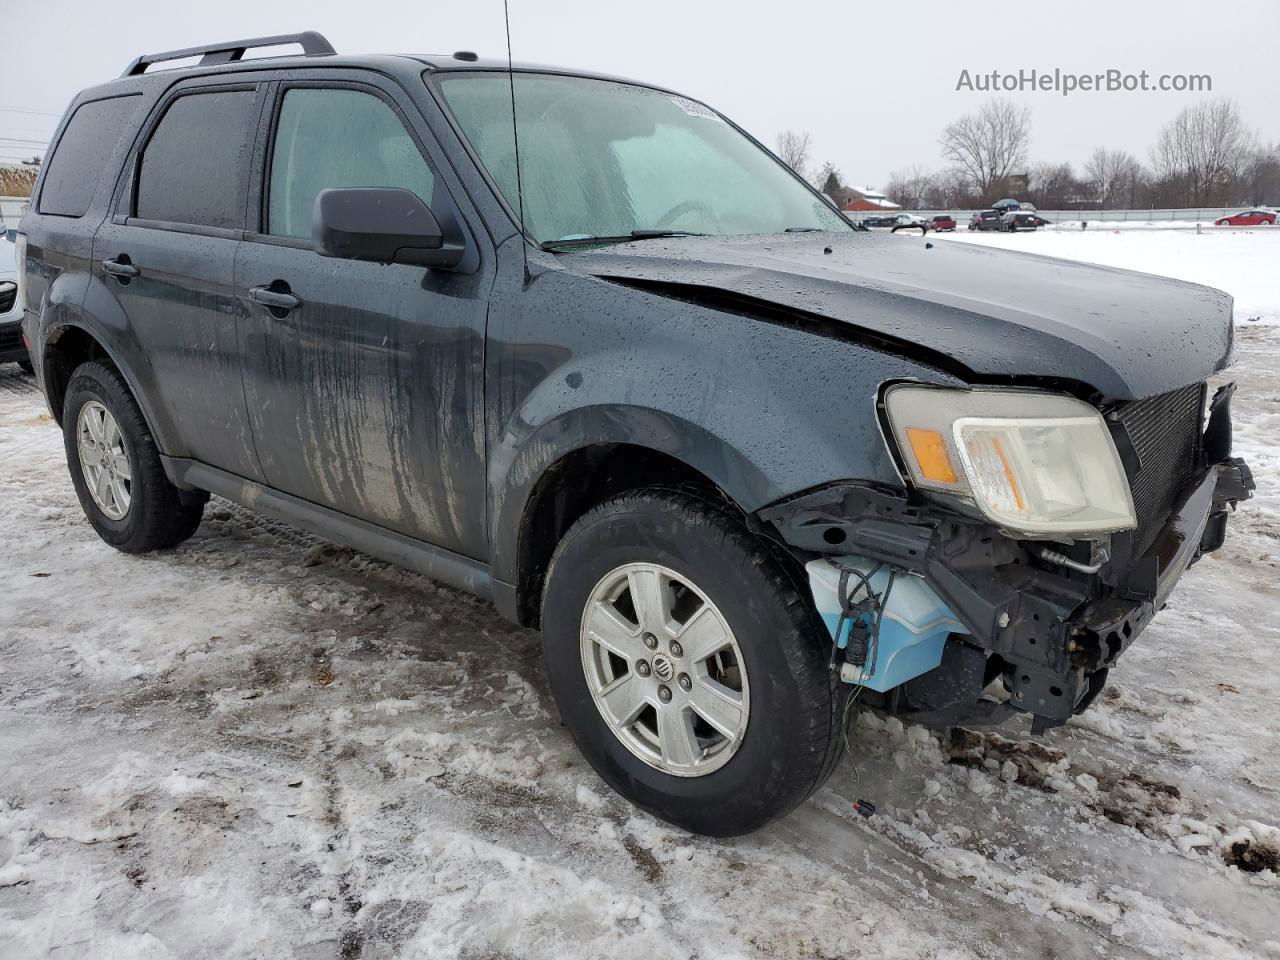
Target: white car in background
{"x": 910, "y": 221}
{"x": 12, "y": 349}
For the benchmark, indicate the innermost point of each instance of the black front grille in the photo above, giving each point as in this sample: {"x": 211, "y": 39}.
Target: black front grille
{"x": 1165, "y": 433}
{"x": 8, "y": 294}
{"x": 10, "y": 339}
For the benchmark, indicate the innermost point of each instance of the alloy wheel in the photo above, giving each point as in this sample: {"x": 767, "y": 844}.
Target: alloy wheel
{"x": 103, "y": 460}
{"x": 664, "y": 669}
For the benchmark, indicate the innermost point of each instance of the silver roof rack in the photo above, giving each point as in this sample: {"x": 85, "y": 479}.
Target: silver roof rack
{"x": 313, "y": 45}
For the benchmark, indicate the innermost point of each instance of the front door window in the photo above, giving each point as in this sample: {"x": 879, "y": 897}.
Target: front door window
{"x": 337, "y": 138}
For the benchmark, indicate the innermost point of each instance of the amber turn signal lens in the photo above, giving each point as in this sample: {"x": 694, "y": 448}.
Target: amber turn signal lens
{"x": 931, "y": 455}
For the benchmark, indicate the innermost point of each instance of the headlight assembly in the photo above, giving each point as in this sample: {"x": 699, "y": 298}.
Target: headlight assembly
{"x": 1034, "y": 463}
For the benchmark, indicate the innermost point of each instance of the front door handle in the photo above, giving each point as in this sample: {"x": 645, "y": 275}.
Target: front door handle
{"x": 274, "y": 299}
{"x": 120, "y": 268}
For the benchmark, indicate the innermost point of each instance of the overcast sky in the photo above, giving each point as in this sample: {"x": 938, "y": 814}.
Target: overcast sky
{"x": 873, "y": 82}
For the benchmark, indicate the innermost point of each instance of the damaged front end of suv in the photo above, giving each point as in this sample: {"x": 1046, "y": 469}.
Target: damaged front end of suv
{"x": 1036, "y": 463}
{"x": 1036, "y": 536}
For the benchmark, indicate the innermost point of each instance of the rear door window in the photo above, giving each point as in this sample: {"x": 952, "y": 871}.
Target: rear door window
{"x": 80, "y": 158}
{"x": 337, "y": 138}
{"x": 195, "y": 168}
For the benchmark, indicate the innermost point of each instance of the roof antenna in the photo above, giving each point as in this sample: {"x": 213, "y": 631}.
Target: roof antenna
{"x": 515, "y": 138}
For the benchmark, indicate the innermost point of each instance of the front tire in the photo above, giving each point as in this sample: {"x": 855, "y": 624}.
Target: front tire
{"x": 116, "y": 467}
{"x": 687, "y": 666}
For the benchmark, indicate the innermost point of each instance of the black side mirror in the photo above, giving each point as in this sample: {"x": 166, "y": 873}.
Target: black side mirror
{"x": 381, "y": 224}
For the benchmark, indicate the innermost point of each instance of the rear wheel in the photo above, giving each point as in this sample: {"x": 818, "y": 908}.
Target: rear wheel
{"x": 686, "y": 665}
{"x": 116, "y": 467}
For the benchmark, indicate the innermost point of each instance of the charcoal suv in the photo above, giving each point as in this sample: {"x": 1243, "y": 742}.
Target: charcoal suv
{"x": 644, "y": 389}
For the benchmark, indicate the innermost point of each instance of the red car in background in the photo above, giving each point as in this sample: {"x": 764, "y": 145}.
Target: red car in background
{"x": 1247, "y": 218}
{"x": 943, "y": 222}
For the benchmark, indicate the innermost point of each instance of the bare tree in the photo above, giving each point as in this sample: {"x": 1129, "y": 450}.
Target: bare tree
{"x": 907, "y": 188}
{"x": 1113, "y": 177}
{"x": 793, "y": 149}
{"x": 1260, "y": 179}
{"x": 1054, "y": 186}
{"x": 947, "y": 189}
{"x": 897, "y": 190}
{"x": 1200, "y": 154}
{"x": 989, "y": 143}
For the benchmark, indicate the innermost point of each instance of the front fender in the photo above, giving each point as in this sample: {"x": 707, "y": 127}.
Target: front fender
{"x": 762, "y": 407}
{"x": 518, "y": 462}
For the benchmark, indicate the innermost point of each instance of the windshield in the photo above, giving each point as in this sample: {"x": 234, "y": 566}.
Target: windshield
{"x": 603, "y": 159}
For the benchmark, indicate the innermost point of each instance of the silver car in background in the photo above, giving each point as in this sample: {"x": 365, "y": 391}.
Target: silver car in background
{"x": 12, "y": 349}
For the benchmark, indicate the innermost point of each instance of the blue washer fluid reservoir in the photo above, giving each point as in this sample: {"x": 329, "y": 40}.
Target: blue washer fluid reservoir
{"x": 913, "y": 628}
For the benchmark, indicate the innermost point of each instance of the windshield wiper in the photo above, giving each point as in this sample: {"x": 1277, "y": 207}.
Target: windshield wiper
{"x": 572, "y": 241}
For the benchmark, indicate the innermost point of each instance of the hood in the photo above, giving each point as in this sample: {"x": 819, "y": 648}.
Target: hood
{"x": 997, "y": 314}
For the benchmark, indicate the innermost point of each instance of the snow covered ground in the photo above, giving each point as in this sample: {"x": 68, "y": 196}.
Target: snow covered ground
{"x": 1244, "y": 261}
{"x": 258, "y": 745}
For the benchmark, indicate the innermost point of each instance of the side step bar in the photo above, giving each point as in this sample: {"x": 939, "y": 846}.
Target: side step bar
{"x": 430, "y": 561}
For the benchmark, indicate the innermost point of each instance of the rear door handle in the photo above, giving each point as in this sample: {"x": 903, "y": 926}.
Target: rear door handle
{"x": 121, "y": 268}
{"x": 274, "y": 299}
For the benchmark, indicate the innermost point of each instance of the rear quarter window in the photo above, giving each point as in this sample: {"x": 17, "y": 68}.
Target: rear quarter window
{"x": 79, "y": 160}
{"x": 195, "y": 167}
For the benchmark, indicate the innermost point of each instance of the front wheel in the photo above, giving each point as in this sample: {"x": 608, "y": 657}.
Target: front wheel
{"x": 687, "y": 666}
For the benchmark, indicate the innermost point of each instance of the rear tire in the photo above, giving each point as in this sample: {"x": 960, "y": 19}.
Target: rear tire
{"x": 27, "y": 367}
{"x": 788, "y": 740}
{"x": 135, "y": 508}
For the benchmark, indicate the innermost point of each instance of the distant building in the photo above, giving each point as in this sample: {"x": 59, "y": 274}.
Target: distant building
{"x": 866, "y": 199}
{"x": 17, "y": 179}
